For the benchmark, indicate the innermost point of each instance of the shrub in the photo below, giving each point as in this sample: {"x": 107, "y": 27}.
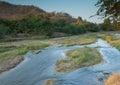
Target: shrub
{"x": 3, "y": 30}
{"x": 81, "y": 29}
{"x": 92, "y": 27}
{"x": 106, "y": 27}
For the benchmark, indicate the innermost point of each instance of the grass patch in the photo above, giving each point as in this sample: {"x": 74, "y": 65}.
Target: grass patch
{"x": 113, "y": 80}
{"x": 112, "y": 39}
{"x": 49, "y": 82}
{"x": 116, "y": 43}
{"x": 6, "y": 48}
{"x": 75, "y": 40}
{"x": 21, "y": 50}
{"x": 80, "y": 42}
{"x": 26, "y": 48}
{"x": 78, "y": 58}
{"x": 12, "y": 50}
{"x": 23, "y": 38}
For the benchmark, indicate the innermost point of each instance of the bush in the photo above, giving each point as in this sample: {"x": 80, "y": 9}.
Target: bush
{"x": 3, "y": 30}
{"x": 69, "y": 29}
{"x": 73, "y": 29}
{"x": 30, "y": 25}
{"x": 106, "y": 27}
{"x": 91, "y": 27}
{"x": 33, "y": 24}
{"x": 81, "y": 29}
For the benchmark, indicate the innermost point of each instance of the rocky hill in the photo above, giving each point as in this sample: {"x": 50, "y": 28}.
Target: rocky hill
{"x": 11, "y": 11}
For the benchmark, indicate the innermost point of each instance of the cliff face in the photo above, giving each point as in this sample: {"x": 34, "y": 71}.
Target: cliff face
{"x": 10, "y": 11}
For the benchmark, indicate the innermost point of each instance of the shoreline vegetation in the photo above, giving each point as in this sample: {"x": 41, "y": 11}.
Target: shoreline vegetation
{"x": 18, "y": 23}
{"x": 78, "y": 58}
{"x": 12, "y": 50}
{"x": 10, "y": 56}
{"x": 114, "y": 79}
{"x": 50, "y": 82}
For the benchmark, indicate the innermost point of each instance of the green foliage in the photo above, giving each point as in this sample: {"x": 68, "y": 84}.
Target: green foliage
{"x": 107, "y": 21}
{"x": 91, "y": 27}
{"x": 59, "y": 25}
{"x": 106, "y": 27}
{"x": 30, "y": 24}
{"x": 33, "y": 25}
{"x": 13, "y": 52}
{"x": 3, "y": 30}
{"x": 24, "y": 49}
{"x": 109, "y": 8}
{"x": 78, "y": 58}
{"x": 116, "y": 25}
{"x": 80, "y": 29}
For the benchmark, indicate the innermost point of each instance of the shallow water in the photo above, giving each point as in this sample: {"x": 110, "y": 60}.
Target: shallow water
{"x": 35, "y": 69}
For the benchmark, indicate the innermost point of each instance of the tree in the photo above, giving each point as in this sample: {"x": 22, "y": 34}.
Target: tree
{"x": 116, "y": 25}
{"x": 79, "y": 21}
{"x": 3, "y": 30}
{"x": 109, "y": 8}
{"x": 107, "y": 21}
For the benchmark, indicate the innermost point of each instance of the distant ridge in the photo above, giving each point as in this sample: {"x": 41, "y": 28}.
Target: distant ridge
{"x": 10, "y": 11}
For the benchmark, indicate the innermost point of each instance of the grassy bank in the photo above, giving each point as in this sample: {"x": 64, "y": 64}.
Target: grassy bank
{"x": 12, "y": 50}
{"x": 49, "y": 82}
{"x": 12, "y": 47}
{"x": 113, "y": 80}
{"x": 116, "y": 43}
{"x": 78, "y": 58}
{"x": 75, "y": 40}
{"x": 111, "y": 38}
{"x": 10, "y": 56}
{"x": 21, "y": 50}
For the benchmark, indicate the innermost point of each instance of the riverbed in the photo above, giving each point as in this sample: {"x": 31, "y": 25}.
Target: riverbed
{"x": 35, "y": 69}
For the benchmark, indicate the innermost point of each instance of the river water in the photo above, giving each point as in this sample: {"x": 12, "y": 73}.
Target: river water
{"x": 35, "y": 69}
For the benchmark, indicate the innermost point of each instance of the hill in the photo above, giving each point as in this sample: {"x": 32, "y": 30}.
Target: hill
{"x": 11, "y": 11}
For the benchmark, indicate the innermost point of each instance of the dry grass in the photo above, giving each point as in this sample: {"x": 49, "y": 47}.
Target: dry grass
{"x": 115, "y": 41}
{"x": 10, "y": 50}
{"x": 49, "y": 82}
{"x": 78, "y": 58}
{"x": 11, "y": 56}
{"x": 21, "y": 50}
{"x": 75, "y": 40}
{"x": 108, "y": 38}
{"x": 113, "y": 80}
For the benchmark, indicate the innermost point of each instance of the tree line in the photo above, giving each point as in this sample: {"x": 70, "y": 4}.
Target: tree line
{"x": 39, "y": 25}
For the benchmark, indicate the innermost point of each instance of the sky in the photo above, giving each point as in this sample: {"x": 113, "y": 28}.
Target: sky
{"x": 83, "y": 8}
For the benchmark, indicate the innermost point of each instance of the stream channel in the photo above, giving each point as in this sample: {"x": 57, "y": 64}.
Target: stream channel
{"x": 35, "y": 69}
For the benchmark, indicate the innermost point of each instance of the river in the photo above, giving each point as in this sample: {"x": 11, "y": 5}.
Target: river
{"x": 35, "y": 69}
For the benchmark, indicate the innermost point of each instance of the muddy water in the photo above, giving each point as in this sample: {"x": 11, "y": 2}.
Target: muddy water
{"x": 35, "y": 69}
